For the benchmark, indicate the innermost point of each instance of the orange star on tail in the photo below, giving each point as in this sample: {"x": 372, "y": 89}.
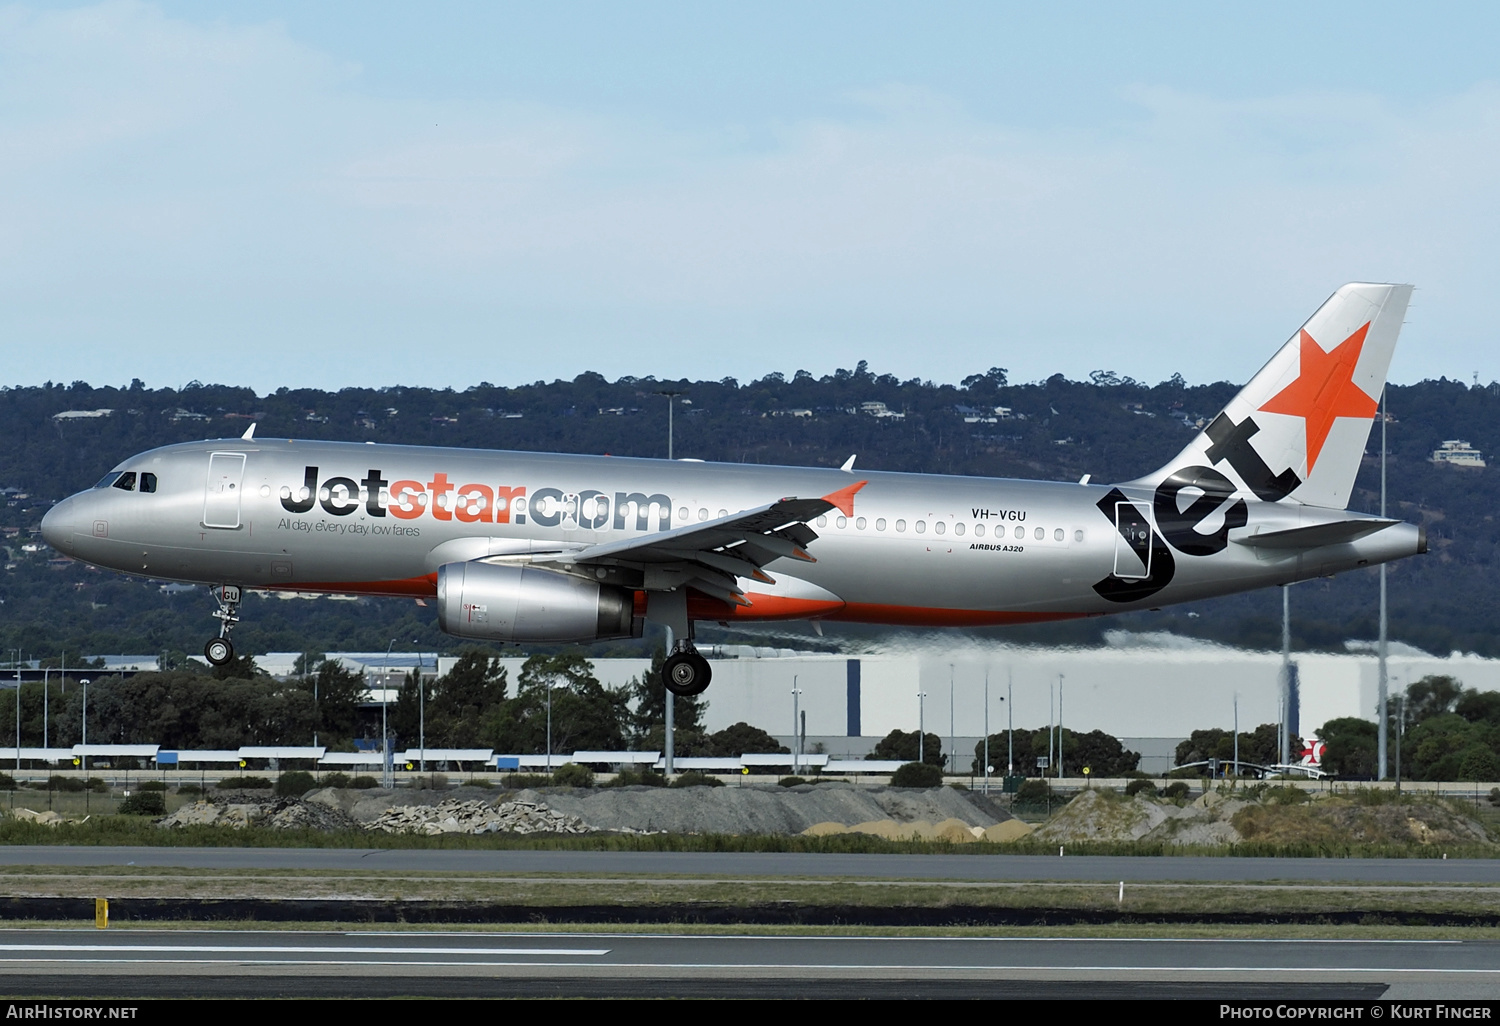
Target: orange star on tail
{"x": 1324, "y": 390}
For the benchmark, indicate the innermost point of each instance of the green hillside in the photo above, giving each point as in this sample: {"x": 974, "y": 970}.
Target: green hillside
{"x": 1110, "y": 427}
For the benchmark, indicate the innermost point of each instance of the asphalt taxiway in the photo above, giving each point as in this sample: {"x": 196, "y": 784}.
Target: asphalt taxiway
{"x": 71, "y": 963}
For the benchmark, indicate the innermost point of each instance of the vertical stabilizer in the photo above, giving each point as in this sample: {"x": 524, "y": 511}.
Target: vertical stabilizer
{"x": 1297, "y": 431}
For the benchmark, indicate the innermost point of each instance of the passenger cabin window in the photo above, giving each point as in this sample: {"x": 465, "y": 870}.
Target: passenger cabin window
{"x": 148, "y": 482}
{"x": 126, "y": 481}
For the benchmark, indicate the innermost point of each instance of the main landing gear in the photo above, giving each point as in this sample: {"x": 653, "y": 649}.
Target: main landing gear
{"x": 686, "y": 673}
{"x": 220, "y": 650}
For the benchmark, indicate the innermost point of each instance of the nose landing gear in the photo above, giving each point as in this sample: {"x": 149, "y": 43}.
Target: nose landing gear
{"x": 685, "y": 672}
{"x": 220, "y": 650}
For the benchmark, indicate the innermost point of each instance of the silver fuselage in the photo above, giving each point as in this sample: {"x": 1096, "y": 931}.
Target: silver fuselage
{"x": 920, "y": 549}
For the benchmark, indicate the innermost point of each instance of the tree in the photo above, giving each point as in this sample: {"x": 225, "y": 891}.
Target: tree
{"x": 650, "y": 713}
{"x": 901, "y": 745}
{"x": 1352, "y": 747}
{"x": 1433, "y": 695}
{"x": 339, "y": 693}
{"x": 585, "y": 714}
{"x": 468, "y": 702}
{"x": 739, "y": 738}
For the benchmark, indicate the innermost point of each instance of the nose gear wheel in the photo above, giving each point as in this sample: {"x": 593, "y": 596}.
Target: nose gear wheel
{"x": 219, "y": 651}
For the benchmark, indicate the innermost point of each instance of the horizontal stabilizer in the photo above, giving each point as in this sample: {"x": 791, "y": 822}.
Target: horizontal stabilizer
{"x": 1317, "y": 535}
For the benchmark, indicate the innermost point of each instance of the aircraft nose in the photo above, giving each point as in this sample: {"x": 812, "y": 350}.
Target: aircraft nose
{"x": 58, "y": 524}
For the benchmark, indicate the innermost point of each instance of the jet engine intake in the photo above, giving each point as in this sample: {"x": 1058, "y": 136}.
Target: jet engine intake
{"x": 491, "y": 602}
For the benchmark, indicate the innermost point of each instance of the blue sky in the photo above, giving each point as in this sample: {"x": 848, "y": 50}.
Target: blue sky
{"x": 367, "y": 193}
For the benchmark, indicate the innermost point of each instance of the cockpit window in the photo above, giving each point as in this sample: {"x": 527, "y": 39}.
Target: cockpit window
{"x": 126, "y": 482}
{"x": 148, "y": 482}
{"x": 108, "y": 479}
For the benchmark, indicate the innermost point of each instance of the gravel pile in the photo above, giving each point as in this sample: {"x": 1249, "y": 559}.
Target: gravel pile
{"x": 942, "y": 813}
{"x": 277, "y": 813}
{"x": 764, "y": 809}
{"x": 477, "y": 817}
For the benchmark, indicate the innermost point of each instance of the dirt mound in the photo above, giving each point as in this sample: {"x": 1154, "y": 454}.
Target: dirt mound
{"x": 944, "y": 814}
{"x": 771, "y": 809}
{"x": 1264, "y": 816}
{"x": 263, "y": 810}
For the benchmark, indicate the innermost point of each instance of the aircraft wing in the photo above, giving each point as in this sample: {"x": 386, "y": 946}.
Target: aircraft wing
{"x": 712, "y": 556}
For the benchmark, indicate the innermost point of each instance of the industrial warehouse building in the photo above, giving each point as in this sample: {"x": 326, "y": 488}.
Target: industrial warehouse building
{"x": 1151, "y": 691}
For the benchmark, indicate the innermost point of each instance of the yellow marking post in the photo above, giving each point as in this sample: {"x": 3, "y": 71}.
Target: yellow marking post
{"x": 101, "y": 913}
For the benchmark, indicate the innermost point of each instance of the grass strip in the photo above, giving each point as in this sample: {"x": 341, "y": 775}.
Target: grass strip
{"x": 136, "y": 830}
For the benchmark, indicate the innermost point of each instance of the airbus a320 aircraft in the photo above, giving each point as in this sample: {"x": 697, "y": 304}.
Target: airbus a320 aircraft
{"x": 537, "y": 547}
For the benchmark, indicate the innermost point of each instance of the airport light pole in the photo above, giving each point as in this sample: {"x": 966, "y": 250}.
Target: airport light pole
{"x": 950, "y": 718}
{"x": 1010, "y": 726}
{"x": 422, "y": 715}
{"x": 385, "y": 734}
{"x": 986, "y": 730}
{"x": 1286, "y": 674}
{"x": 796, "y": 734}
{"x": 1059, "y": 726}
{"x": 668, "y": 704}
{"x": 85, "y": 757}
{"x": 1382, "y": 715}
{"x": 921, "y": 724}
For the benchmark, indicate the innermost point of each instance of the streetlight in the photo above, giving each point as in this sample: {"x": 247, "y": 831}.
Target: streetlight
{"x": 668, "y": 706}
{"x": 950, "y": 718}
{"x": 796, "y": 737}
{"x": 422, "y": 715}
{"x": 85, "y": 755}
{"x": 385, "y": 735}
{"x": 921, "y": 725}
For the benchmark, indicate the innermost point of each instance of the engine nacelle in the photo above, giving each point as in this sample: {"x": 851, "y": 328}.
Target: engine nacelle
{"x": 523, "y": 603}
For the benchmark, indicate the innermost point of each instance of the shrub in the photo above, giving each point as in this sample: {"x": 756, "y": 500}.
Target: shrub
{"x": 643, "y": 777}
{"x": 335, "y": 780}
{"x": 480, "y": 783}
{"x": 364, "y": 783}
{"x": 1140, "y": 785}
{"x": 7, "y": 782}
{"x": 96, "y": 785}
{"x": 918, "y": 774}
{"x": 189, "y": 789}
{"x": 1495, "y": 796}
{"x": 1177, "y": 789}
{"x": 294, "y": 783}
{"x": 145, "y": 803}
{"x": 696, "y": 778}
{"x": 791, "y": 781}
{"x": 570, "y": 774}
{"x": 153, "y": 785}
{"x": 244, "y": 784}
{"x": 958, "y": 786}
{"x": 520, "y": 780}
{"x": 1033, "y": 792}
{"x": 1286, "y": 794}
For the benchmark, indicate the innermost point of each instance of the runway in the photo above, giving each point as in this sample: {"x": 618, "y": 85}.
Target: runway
{"x": 72, "y": 963}
{"x": 997, "y": 868}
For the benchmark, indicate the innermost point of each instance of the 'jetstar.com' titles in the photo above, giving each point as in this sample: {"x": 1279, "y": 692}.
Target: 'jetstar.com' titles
{"x": 475, "y": 503}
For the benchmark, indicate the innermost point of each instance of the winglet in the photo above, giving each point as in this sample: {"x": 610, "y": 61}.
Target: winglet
{"x": 843, "y": 499}
{"x": 249, "y": 432}
{"x": 848, "y": 466}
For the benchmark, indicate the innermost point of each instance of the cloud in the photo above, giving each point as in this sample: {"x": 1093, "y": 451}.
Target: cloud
{"x": 222, "y": 201}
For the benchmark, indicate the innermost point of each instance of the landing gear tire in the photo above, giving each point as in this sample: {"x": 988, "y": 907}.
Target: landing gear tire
{"x": 218, "y": 651}
{"x": 686, "y": 674}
